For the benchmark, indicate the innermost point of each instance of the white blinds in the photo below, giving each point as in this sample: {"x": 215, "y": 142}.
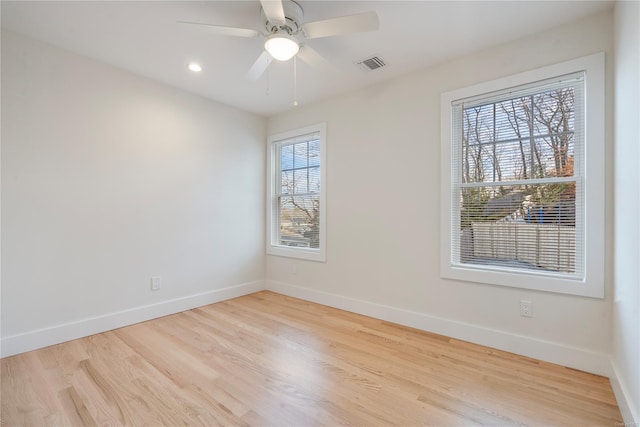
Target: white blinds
{"x": 297, "y": 196}
{"x": 517, "y": 174}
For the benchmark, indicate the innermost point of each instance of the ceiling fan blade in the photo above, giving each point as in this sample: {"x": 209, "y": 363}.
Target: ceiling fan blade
{"x": 273, "y": 10}
{"x": 314, "y": 59}
{"x": 224, "y": 31}
{"x": 259, "y": 67}
{"x": 361, "y": 22}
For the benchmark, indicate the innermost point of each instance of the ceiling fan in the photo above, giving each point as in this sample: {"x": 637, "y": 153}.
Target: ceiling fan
{"x": 285, "y": 32}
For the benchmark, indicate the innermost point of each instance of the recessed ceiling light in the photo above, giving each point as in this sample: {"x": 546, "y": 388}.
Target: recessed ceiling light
{"x": 195, "y": 67}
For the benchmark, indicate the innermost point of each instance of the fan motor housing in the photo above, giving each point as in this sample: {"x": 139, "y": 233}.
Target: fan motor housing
{"x": 293, "y": 16}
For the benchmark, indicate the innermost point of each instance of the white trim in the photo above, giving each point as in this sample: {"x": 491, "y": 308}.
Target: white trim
{"x": 593, "y": 284}
{"x": 45, "y": 337}
{"x": 628, "y": 409}
{"x": 553, "y": 352}
{"x": 319, "y": 254}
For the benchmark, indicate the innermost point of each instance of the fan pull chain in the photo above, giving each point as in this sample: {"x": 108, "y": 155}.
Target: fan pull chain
{"x": 295, "y": 82}
{"x": 268, "y": 78}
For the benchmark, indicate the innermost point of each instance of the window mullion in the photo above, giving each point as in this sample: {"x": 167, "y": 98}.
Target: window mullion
{"x": 531, "y": 139}
{"x": 549, "y": 180}
{"x": 493, "y": 140}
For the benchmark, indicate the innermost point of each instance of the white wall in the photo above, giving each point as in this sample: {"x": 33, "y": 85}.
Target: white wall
{"x": 383, "y": 211}
{"x": 626, "y": 320}
{"x": 108, "y": 179}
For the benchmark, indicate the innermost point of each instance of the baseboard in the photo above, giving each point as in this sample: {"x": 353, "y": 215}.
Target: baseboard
{"x": 561, "y": 354}
{"x": 628, "y": 407}
{"x": 572, "y": 357}
{"x": 45, "y": 337}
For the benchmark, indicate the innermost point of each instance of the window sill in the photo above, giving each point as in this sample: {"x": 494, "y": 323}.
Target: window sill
{"x": 317, "y": 255}
{"x": 537, "y": 281}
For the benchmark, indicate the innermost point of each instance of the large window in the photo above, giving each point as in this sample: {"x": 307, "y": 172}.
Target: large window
{"x": 523, "y": 180}
{"x": 296, "y": 194}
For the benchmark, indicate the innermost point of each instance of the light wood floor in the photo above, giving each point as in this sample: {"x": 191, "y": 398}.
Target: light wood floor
{"x": 267, "y": 359}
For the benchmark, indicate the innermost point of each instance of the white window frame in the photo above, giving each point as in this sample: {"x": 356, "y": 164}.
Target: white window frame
{"x": 273, "y": 194}
{"x": 591, "y": 284}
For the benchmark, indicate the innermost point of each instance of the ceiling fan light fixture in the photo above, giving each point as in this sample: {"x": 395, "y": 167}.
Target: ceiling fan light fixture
{"x": 282, "y": 46}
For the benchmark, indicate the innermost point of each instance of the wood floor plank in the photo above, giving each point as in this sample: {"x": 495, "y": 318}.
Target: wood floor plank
{"x": 74, "y": 408}
{"x": 270, "y": 360}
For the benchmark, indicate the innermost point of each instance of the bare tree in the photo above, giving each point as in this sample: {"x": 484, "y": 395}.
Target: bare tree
{"x": 302, "y": 210}
{"x": 554, "y": 112}
{"x": 515, "y": 122}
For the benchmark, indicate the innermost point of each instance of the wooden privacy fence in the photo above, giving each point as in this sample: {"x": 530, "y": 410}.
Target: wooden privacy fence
{"x": 547, "y": 246}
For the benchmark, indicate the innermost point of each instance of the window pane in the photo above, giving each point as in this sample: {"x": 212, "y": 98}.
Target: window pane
{"x": 300, "y": 155}
{"x": 478, "y": 124}
{"x": 513, "y": 118}
{"x": 314, "y": 152}
{"x": 502, "y": 161}
{"x": 314, "y": 180}
{"x": 300, "y": 221}
{"x": 301, "y": 182}
{"x": 527, "y": 227}
{"x": 472, "y": 162}
{"x": 554, "y": 111}
{"x": 513, "y": 160}
{"x": 287, "y": 182}
{"x": 554, "y": 155}
{"x": 286, "y": 157}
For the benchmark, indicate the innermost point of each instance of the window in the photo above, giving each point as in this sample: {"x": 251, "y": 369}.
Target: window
{"x": 523, "y": 180}
{"x": 296, "y": 211}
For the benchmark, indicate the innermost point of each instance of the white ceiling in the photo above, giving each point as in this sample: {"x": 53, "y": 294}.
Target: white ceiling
{"x": 142, "y": 37}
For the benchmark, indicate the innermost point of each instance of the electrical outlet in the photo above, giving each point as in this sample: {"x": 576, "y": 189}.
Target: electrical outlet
{"x": 156, "y": 283}
{"x": 526, "y": 308}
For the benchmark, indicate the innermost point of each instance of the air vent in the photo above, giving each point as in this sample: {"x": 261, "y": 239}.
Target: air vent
{"x": 372, "y": 63}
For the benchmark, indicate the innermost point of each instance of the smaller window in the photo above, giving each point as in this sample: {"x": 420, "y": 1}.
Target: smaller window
{"x": 296, "y": 205}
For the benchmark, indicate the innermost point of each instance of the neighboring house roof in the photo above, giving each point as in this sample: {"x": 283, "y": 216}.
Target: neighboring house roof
{"x": 500, "y": 207}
